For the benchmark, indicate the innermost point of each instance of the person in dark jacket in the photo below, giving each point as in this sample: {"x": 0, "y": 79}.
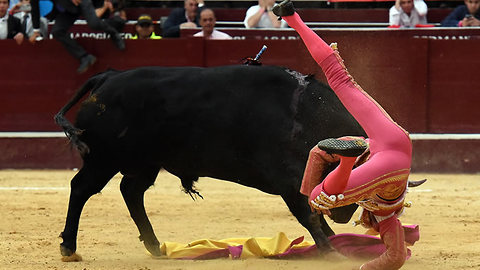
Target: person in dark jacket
{"x": 10, "y": 26}
{"x": 185, "y": 17}
{"x": 67, "y": 12}
{"x": 464, "y": 15}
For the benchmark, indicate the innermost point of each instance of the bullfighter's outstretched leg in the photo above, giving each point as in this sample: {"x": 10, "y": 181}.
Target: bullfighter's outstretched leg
{"x": 91, "y": 179}
{"x": 133, "y": 187}
{"x": 378, "y": 185}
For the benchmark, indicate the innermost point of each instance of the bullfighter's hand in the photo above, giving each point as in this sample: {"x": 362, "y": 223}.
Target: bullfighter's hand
{"x": 322, "y": 203}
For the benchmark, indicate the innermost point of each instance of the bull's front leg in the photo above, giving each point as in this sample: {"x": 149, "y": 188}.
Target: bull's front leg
{"x": 133, "y": 189}
{"x": 343, "y": 214}
{"x": 87, "y": 181}
{"x": 315, "y": 224}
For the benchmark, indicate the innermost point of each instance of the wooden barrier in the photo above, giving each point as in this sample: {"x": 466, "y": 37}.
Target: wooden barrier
{"x": 38, "y": 153}
{"x": 430, "y": 155}
{"x": 419, "y": 76}
{"x": 446, "y": 156}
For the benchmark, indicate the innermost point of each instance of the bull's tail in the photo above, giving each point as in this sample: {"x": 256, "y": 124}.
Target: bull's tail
{"x": 70, "y": 130}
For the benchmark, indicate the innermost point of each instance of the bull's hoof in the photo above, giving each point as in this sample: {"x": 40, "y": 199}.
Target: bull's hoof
{"x": 66, "y": 251}
{"x": 74, "y": 257}
{"x": 153, "y": 249}
{"x": 69, "y": 255}
{"x": 324, "y": 249}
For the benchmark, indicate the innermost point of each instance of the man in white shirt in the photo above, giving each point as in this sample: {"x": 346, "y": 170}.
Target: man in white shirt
{"x": 408, "y": 13}
{"x": 3, "y": 21}
{"x": 207, "y": 21}
{"x": 10, "y": 27}
{"x": 22, "y": 11}
{"x": 261, "y": 16}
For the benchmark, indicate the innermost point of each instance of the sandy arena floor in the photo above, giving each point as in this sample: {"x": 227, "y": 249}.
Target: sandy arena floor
{"x": 447, "y": 208}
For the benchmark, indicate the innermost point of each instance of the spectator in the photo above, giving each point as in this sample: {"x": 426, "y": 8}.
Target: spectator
{"x": 22, "y": 11}
{"x": 207, "y": 21}
{"x": 67, "y": 13}
{"x": 113, "y": 11}
{"x": 408, "y": 13}
{"x": 464, "y": 15}
{"x": 261, "y": 16}
{"x": 144, "y": 28}
{"x": 10, "y": 26}
{"x": 179, "y": 18}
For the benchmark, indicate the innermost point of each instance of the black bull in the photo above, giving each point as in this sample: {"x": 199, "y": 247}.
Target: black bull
{"x": 247, "y": 124}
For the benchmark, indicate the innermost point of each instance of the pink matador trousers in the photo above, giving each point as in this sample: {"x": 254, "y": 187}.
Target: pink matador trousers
{"x": 379, "y": 183}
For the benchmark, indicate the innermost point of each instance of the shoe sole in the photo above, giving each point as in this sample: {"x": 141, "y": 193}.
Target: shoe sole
{"x": 280, "y": 9}
{"x": 90, "y": 63}
{"x": 351, "y": 148}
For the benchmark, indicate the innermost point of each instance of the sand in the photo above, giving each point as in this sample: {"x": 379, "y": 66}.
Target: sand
{"x": 33, "y": 207}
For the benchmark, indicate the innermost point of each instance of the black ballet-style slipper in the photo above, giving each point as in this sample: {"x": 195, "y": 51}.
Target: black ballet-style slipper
{"x": 283, "y": 9}
{"x": 346, "y": 148}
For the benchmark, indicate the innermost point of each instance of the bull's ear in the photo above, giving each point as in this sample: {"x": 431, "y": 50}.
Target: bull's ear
{"x": 412, "y": 183}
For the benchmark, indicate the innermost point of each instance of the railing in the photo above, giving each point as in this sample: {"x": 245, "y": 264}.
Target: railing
{"x": 362, "y": 15}
{"x": 315, "y": 24}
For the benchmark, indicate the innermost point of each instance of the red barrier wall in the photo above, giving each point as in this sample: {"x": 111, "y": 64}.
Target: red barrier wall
{"x": 428, "y": 85}
{"x": 38, "y": 80}
{"x": 439, "y": 156}
{"x": 425, "y": 84}
{"x": 38, "y": 153}
{"x": 446, "y": 156}
{"x": 454, "y": 86}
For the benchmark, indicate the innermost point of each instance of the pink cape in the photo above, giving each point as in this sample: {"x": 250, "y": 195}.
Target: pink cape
{"x": 348, "y": 244}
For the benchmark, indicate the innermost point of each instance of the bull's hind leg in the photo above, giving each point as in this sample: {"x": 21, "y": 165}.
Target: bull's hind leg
{"x": 91, "y": 179}
{"x": 133, "y": 188}
{"x": 315, "y": 224}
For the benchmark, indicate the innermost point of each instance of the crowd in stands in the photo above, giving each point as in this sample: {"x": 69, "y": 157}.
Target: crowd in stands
{"x": 22, "y": 19}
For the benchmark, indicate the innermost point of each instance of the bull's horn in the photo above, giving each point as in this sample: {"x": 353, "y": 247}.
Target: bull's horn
{"x": 416, "y": 183}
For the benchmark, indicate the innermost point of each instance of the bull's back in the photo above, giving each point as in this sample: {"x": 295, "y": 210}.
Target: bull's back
{"x": 213, "y": 122}
{"x": 199, "y": 109}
